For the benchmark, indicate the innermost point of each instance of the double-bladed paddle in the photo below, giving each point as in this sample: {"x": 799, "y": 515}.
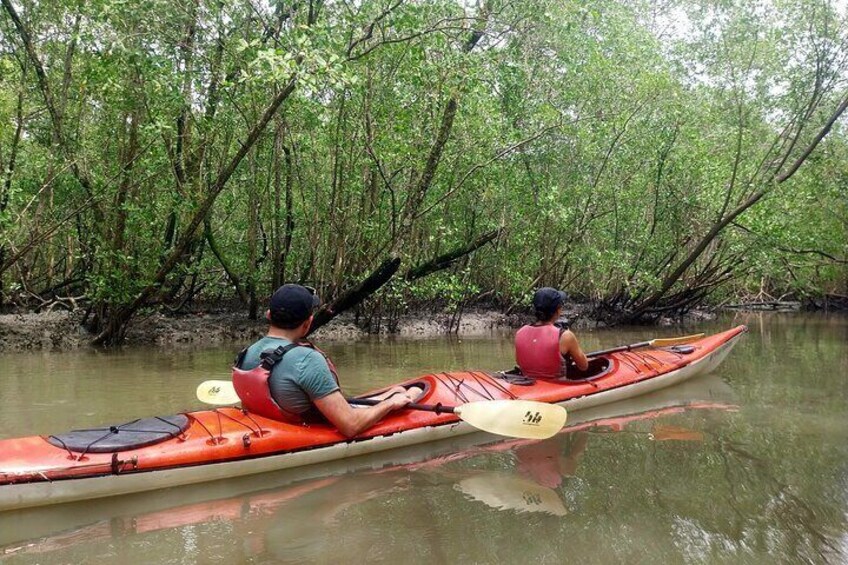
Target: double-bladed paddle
{"x": 514, "y": 418}
{"x": 659, "y": 342}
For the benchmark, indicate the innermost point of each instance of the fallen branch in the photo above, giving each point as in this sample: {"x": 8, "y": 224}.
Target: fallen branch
{"x": 387, "y": 269}
{"x": 771, "y": 305}
{"x": 358, "y": 293}
{"x": 447, "y": 259}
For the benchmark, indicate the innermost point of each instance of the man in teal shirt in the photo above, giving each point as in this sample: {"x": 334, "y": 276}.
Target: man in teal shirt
{"x": 303, "y": 383}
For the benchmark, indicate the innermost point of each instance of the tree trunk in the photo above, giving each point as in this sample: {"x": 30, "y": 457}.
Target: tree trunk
{"x": 113, "y": 332}
{"x": 6, "y": 187}
{"x": 213, "y": 246}
{"x": 671, "y": 279}
{"x": 356, "y": 294}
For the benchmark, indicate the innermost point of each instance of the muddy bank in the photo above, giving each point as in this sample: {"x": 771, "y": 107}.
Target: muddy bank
{"x": 62, "y": 330}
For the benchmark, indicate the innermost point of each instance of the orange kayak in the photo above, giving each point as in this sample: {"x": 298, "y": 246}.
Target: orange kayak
{"x": 208, "y": 445}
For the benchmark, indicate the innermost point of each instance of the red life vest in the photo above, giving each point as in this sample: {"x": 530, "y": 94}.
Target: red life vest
{"x": 537, "y": 351}
{"x": 252, "y": 385}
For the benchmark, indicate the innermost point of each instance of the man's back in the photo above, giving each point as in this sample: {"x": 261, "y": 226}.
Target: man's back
{"x": 303, "y": 383}
{"x": 301, "y": 377}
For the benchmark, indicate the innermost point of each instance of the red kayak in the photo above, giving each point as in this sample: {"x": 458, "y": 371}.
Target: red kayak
{"x": 194, "y": 447}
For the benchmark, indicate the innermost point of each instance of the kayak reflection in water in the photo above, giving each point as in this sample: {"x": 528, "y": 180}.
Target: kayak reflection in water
{"x": 542, "y": 348}
{"x": 285, "y": 377}
{"x": 547, "y": 463}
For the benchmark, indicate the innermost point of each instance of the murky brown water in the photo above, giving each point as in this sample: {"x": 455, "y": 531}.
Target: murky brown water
{"x": 749, "y": 464}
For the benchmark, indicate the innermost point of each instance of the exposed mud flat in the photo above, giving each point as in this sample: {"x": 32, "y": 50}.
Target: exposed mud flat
{"x": 63, "y": 330}
{"x": 46, "y": 330}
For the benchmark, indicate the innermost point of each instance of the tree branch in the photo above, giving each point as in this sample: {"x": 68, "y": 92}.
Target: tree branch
{"x": 447, "y": 259}
{"x": 813, "y": 144}
{"x": 356, "y": 294}
{"x": 500, "y": 155}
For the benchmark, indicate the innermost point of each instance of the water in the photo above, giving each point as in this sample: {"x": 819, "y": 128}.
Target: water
{"x": 746, "y": 465}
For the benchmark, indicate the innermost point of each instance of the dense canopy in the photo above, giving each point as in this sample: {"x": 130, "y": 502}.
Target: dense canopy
{"x": 649, "y": 156}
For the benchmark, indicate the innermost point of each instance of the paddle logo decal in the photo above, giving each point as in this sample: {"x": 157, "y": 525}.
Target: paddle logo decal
{"x": 531, "y": 498}
{"x": 532, "y": 418}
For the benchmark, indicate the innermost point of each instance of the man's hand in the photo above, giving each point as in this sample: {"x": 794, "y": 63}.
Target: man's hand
{"x": 400, "y": 396}
{"x": 398, "y": 400}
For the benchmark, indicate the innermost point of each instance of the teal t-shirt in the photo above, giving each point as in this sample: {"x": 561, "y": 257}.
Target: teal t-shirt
{"x": 302, "y": 376}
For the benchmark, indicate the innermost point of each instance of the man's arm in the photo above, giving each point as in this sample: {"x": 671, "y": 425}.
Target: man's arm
{"x": 568, "y": 345}
{"x": 351, "y": 421}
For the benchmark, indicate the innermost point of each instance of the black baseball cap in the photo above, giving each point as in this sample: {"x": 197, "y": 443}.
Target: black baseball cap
{"x": 293, "y": 304}
{"x": 547, "y": 299}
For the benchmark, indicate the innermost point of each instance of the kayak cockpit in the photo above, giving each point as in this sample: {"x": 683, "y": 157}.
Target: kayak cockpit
{"x": 598, "y": 368}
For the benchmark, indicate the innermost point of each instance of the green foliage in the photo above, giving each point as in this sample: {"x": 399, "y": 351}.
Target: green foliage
{"x": 608, "y": 138}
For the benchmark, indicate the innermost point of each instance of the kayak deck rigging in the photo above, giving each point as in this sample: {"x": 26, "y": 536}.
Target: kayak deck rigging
{"x": 131, "y": 435}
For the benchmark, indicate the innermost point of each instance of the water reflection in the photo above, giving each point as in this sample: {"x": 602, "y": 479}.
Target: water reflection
{"x": 303, "y": 519}
{"x": 505, "y": 491}
{"x": 678, "y": 477}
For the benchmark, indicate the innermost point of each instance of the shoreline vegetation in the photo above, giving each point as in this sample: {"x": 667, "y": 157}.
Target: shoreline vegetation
{"x": 63, "y": 330}
{"x": 653, "y": 159}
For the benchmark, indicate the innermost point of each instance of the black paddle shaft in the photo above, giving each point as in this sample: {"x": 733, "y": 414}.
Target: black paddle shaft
{"x": 437, "y": 408}
{"x": 619, "y": 348}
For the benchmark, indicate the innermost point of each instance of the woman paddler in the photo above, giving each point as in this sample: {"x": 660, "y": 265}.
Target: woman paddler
{"x": 542, "y": 347}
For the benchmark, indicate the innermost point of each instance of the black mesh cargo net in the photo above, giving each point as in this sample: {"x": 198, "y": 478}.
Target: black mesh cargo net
{"x": 132, "y": 435}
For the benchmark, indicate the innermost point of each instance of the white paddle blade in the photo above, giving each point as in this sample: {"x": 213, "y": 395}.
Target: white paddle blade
{"x": 508, "y": 492}
{"x": 218, "y": 393}
{"x": 515, "y": 418}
